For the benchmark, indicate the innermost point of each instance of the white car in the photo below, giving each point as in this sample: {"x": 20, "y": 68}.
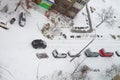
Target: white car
{"x": 58, "y": 55}
{"x": 22, "y": 19}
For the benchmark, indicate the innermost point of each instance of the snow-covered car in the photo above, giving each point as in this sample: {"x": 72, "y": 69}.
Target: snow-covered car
{"x": 41, "y": 55}
{"x": 22, "y": 19}
{"x": 88, "y": 53}
{"x": 73, "y": 53}
{"x": 117, "y": 53}
{"x": 39, "y": 44}
{"x": 58, "y": 55}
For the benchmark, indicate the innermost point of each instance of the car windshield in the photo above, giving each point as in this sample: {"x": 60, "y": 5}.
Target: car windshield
{"x": 23, "y": 19}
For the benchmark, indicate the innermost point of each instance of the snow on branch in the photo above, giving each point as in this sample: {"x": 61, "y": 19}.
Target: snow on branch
{"x": 106, "y": 16}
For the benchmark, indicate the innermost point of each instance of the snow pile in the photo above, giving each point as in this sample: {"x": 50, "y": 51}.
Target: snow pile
{"x": 19, "y": 57}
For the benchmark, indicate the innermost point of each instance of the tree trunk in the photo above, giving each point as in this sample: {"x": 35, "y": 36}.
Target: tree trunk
{"x": 79, "y": 65}
{"x": 83, "y": 49}
{"x": 99, "y": 23}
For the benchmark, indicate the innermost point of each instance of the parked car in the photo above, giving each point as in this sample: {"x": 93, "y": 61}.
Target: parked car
{"x": 39, "y": 43}
{"x": 3, "y": 25}
{"x": 22, "y": 19}
{"x": 73, "y": 53}
{"x": 58, "y": 55}
{"x": 88, "y": 53}
{"x": 12, "y": 20}
{"x": 105, "y": 54}
{"x": 117, "y": 53}
{"x": 41, "y": 55}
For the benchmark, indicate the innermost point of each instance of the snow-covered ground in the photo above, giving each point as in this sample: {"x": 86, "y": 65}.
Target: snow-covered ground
{"x": 19, "y": 58}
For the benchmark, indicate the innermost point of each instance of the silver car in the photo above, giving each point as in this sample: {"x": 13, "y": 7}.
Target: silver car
{"x": 88, "y": 53}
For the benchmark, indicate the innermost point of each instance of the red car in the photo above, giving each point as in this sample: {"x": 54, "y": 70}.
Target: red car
{"x": 105, "y": 54}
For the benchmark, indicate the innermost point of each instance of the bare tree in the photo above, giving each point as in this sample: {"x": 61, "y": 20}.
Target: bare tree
{"x": 112, "y": 71}
{"x": 81, "y": 73}
{"x": 78, "y": 65}
{"x": 60, "y": 75}
{"x": 106, "y": 16}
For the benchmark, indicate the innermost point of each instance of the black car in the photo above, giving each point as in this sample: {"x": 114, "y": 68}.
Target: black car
{"x": 39, "y": 44}
{"x": 22, "y": 19}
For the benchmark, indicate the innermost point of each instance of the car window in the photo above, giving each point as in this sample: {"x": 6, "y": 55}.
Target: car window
{"x": 23, "y": 19}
